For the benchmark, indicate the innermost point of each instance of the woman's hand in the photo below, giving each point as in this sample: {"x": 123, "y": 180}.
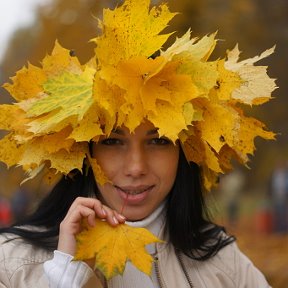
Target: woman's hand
{"x": 81, "y": 208}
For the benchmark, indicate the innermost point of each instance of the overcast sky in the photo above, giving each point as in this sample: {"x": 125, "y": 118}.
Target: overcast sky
{"x": 15, "y": 13}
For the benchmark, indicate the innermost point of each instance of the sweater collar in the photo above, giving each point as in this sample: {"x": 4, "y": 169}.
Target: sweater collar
{"x": 154, "y": 223}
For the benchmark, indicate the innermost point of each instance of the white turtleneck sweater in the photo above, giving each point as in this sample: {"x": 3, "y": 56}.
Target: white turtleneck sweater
{"x": 62, "y": 272}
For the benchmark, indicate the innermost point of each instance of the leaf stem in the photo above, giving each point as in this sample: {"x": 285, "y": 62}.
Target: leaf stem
{"x": 124, "y": 204}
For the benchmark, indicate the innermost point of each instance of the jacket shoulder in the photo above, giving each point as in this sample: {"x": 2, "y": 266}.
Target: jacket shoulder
{"x": 231, "y": 264}
{"x": 18, "y": 259}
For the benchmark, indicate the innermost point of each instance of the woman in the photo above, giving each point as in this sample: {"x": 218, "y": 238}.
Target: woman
{"x": 160, "y": 191}
{"x": 154, "y": 132}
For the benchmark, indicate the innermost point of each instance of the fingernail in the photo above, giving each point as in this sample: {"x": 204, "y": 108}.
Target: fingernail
{"x": 104, "y": 212}
{"x": 122, "y": 217}
{"x": 115, "y": 220}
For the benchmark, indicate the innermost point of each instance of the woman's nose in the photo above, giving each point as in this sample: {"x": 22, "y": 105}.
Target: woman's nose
{"x": 136, "y": 162}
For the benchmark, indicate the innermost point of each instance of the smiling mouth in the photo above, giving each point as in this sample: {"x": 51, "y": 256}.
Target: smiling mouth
{"x": 134, "y": 191}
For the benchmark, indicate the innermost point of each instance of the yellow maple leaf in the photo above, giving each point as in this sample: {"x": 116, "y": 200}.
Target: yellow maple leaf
{"x": 57, "y": 141}
{"x": 194, "y": 147}
{"x": 200, "y": 152}
{"x": 88, "y": 128}
{"x": 189, "y": 49}
{"x": 10, "y": 151}
{"x": 62, "y": 160}
{"x": 168, "y": 85}
{"x": 135, "y": 74}
{"x": 27, "y": 83}
{"x": 190, "y": 114}
{"x": 43, "y": 125}
{"x": 192, "y": 56}
{"x": 220, "y": 124}
{"x": 167, "y": 113}
{"x": 69, "y": 95}
{"x": 12, "y": 117}
{"x": 250, "y": 128}
{"x": 132, "y": 30}
{"x": 109, "y": 99}
{"x": 60, "y": 60}
{"x": 99, "y": 174}
{"x": 227, "y": 82}
{"x": 203, "y": 74}
{"x": 112, "y": 247}
{"x": 134, "y": 114}
{"x": 256, "y": 86}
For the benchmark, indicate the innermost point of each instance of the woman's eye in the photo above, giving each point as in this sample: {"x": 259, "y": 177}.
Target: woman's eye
{"x": 111, "y": 141}
{"x": 160, "y": 141}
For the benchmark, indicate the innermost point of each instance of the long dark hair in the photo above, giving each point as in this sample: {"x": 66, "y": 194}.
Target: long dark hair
{"x": 188, "y": 225}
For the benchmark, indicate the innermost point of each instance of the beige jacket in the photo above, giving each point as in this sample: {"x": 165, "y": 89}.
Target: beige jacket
{"x": 21, "y": 266}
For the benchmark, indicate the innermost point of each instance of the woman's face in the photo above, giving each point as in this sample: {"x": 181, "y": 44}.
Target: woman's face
{"x": 142, "y": 168}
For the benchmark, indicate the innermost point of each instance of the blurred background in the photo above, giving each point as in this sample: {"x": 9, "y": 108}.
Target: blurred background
{"x": 251, "y": 202}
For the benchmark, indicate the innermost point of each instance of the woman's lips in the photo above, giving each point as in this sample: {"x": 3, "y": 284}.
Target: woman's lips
{"x": 133, "y": 190}
{"x": 134, "y": 194}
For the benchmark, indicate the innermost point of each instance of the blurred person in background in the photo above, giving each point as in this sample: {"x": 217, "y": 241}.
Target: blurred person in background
{"x": 231, "y": 186}
{"x": 20, "y": 202}
{"x": 279, "y": 196}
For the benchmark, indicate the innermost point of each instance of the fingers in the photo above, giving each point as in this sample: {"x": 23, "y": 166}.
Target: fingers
{"x": 113, "y": 218}
{"x": 90, "y": 208}
{"x": 84, "y": 208}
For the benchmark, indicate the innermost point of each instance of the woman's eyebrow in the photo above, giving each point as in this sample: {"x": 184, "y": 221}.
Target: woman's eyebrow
{"x": 118, "y": 131}
{"x": 153, "y": 131}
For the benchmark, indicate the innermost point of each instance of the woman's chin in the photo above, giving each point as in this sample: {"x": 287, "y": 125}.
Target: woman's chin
{"x": 133, "y": 216}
